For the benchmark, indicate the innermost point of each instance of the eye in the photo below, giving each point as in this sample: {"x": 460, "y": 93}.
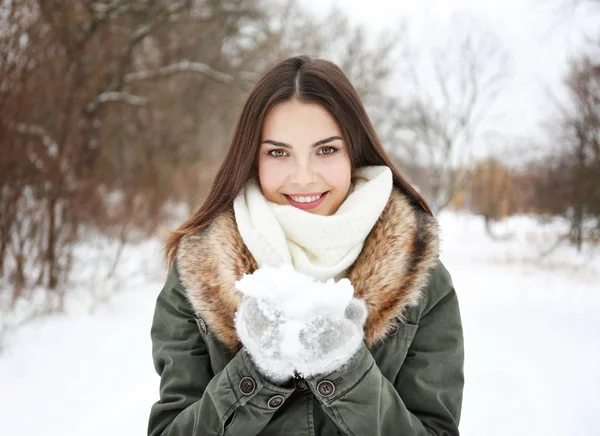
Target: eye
{"x": 277, "y": 153}
{"x": 327, "y": 150}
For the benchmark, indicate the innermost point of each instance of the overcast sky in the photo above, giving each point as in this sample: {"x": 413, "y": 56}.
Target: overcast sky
{"x": 538, "y": 35}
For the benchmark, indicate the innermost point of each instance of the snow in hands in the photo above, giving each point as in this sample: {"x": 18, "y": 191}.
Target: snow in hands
{"x": 298, "y": 320}
{"x": 297, "y": 295}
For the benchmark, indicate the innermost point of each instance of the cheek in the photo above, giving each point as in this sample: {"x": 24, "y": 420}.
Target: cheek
{"x": 338, "y": 175}
{"x": 271, "y": 178}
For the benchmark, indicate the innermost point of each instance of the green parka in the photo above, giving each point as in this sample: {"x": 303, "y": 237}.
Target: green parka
{"x": 407, "y": 378}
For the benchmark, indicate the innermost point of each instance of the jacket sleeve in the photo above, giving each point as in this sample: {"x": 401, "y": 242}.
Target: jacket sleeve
{"x": 194, "y": 401}
{"x": 426, "y": 397}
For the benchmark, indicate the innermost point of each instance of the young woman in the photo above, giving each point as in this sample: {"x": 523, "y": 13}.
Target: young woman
{"x": 306, "y": 190}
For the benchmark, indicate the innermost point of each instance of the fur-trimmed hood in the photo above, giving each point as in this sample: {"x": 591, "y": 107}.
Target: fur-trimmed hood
{"x": 389, "y": 275}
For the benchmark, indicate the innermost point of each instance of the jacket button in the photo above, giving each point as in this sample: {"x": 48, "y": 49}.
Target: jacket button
{"x": 392, "y": 330}
{"x": 247, "y": 386}
{"x": 201, "y": 325}
{"x": 275, "y": 401}
{"x": 326, "y": 388}
{"x": 301, "y": 385}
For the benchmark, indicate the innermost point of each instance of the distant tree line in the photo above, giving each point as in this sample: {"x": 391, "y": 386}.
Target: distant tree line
{"x": 565, "y": 182}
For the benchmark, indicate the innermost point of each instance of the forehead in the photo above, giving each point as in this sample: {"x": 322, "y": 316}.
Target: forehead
{"x": 297, "y": 122}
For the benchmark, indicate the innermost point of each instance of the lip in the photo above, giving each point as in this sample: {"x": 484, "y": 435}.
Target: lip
{"x": 307, "y": 206}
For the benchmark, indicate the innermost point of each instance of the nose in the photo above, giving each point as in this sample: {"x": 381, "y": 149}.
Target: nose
{"x": 302, "y": 174}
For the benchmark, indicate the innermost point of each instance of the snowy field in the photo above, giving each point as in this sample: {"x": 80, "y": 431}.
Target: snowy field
{"x": 531, "y": 335}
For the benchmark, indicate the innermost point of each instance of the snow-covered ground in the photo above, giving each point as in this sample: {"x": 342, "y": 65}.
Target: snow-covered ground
{"x": 531, "y": 334}
{"x": 531, "y": 330}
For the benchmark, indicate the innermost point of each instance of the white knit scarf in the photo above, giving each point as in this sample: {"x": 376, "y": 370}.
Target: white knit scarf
{"x": 320, "y": 246}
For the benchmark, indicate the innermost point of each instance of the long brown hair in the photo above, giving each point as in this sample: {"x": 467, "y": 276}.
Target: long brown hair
{"x": 307, "y": 80}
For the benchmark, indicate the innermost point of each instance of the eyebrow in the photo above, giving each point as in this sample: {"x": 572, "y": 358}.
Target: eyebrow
{"x": 316, "y": 144}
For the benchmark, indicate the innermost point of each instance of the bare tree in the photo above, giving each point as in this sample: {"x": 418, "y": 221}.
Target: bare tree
{"x": 442, "y": 97}
{"x": 569, "y": 185}
{"x": 78, "y": 91}
{"x": 580, "y": 149}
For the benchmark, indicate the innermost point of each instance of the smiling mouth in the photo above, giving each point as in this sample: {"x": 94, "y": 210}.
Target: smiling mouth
{"x": 306, "y": 201}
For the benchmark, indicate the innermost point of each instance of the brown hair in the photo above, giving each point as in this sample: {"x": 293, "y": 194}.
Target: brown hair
{"x": 307, "y": 80}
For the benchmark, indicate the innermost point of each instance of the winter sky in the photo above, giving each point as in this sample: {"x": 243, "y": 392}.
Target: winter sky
{"x": 539, "y": 37}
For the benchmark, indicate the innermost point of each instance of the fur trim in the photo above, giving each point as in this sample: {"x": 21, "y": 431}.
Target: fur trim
{"x": 390, "y": 273}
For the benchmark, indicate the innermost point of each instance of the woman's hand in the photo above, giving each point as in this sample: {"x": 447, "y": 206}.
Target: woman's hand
{"x": 258, "y": 325}
{"x": 330, "y": 341}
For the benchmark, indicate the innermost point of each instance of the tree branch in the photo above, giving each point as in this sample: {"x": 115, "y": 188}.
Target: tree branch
{"x": 114, "y": 96}
{"x": 139, "y": 34}
{"x": 179, "y": 67}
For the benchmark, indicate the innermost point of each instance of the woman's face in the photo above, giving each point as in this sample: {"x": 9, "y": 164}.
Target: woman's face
{"x": 303, "y": 159}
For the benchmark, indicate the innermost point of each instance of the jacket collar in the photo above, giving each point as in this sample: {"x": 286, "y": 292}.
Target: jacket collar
{"x": 389, "y": 274}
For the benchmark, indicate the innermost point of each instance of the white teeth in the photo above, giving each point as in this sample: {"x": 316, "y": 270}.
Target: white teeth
{"x": 305, "y": 199}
